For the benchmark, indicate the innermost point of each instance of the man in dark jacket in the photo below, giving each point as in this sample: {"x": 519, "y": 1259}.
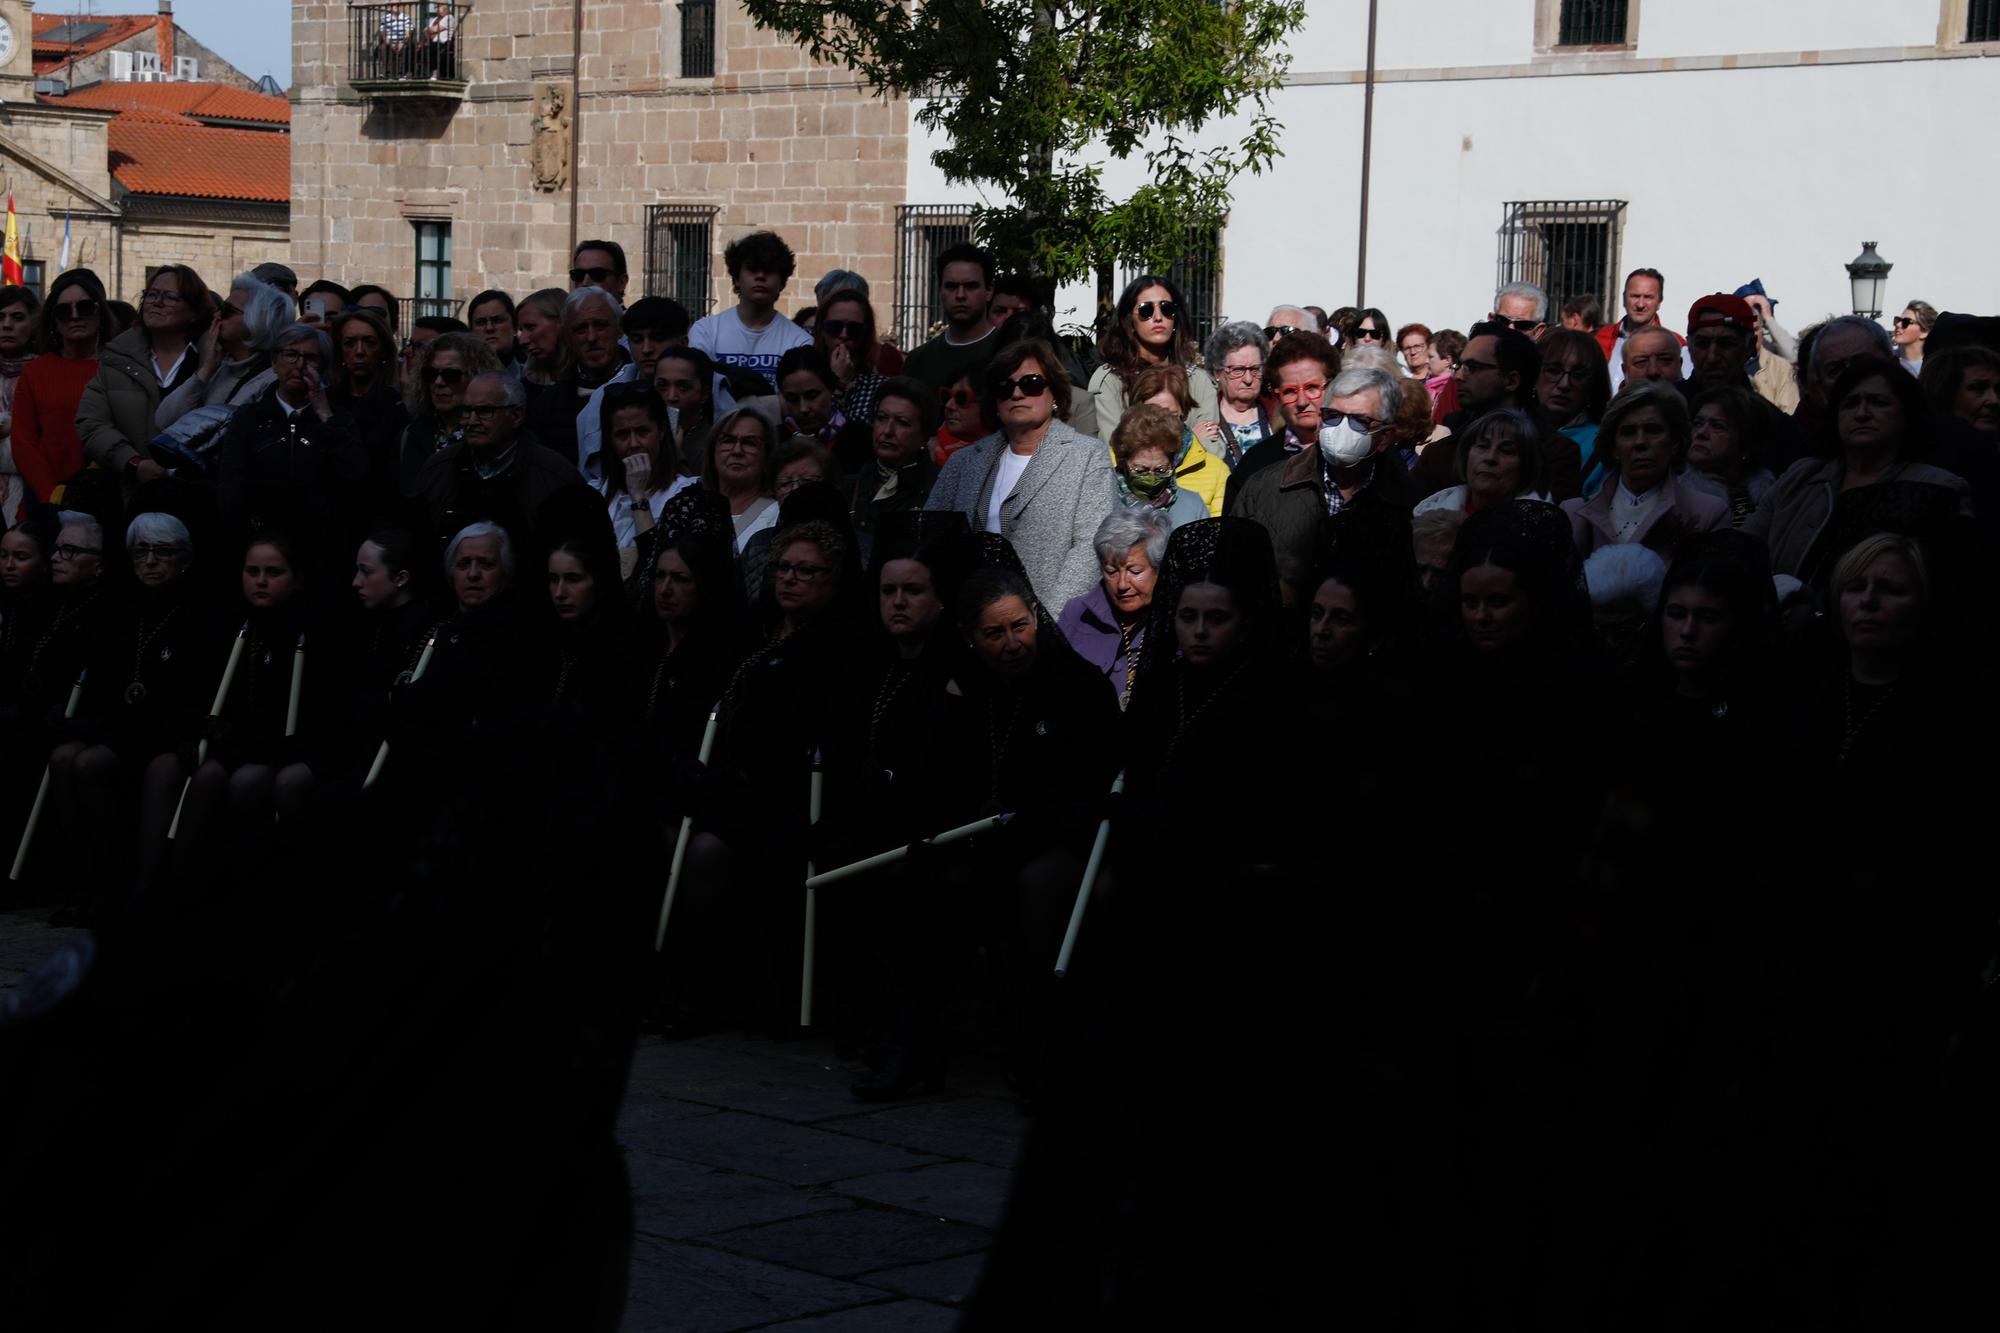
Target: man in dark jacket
{"x": 498, "y": 472}
{"x": 1345, "y": 471}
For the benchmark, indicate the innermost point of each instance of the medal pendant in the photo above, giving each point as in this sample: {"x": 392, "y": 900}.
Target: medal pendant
{"x": 135, "y": 693}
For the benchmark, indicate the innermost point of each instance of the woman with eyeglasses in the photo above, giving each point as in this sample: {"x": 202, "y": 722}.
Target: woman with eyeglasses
{"x": 1574, "y": 387}
{"x": 750, "y": 801}
{"x": 1237, "y": 353}
{"x": 962, "y": 418}
{"x": 75, "y": 320}
{"x": 1144, "y": 447}
{"x": 117, "y": 417}
{"x": 290, "y": 457}
{"x": 844, "y": 333}
{"x": 1035, "y": 482}
{"x": 899, "y": 476}
{"x": 434, "y": 390}
{"x": 740, "y": 466}
{"x": 1152, "y": 326}
{"x": 149, "y": 688}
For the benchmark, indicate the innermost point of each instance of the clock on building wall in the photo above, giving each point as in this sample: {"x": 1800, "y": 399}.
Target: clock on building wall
{"x": 6, "y": 40}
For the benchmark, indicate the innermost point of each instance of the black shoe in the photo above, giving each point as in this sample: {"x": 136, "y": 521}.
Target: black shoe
{"x": 901, "y": 1077}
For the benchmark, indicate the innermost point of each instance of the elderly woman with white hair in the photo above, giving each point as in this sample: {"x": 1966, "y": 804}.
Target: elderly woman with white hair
{"x": 1107, "y": 625}
{"x": 236, "y": 350}
{"x": 151, "y": 681}
{"x": 1236, "y": 354}
{"x": 1643, "y": 441}
{"x": 287, "y": 455}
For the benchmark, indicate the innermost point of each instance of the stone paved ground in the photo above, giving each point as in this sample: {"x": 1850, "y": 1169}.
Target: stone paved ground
{"x": 765, "y": 1196}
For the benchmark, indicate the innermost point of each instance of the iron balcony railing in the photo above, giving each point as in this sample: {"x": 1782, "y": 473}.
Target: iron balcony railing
{"x": 679, "y": 254}
{"x": 406, "y": 42}
{"x": 923, "y": 232}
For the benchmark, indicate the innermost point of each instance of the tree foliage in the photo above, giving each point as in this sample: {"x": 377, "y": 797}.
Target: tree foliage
{"x": 1029, "y": 97}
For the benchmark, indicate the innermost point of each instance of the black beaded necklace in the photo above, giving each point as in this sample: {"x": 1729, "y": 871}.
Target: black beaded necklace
{"x": 999, "y": 740}
{"x": 135, "y": 692}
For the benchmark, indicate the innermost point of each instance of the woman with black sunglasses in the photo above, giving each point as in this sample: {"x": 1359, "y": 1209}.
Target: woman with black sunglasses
{"x": 47, "y": 449}
{"x": 844, "y": 331}
{"x": 434, "y": 391}
{"x": 1153, "y": 327}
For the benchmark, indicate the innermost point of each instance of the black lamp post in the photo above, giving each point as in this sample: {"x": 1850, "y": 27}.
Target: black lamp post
{"x": 1868, "y": 275}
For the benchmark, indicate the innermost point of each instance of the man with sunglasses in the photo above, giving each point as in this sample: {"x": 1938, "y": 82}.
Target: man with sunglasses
{"x": 965, "y": 289}
{"x": 1523, "y": 307}
{"x": 599, "y": 264}
{"x": 1343, "y": 476}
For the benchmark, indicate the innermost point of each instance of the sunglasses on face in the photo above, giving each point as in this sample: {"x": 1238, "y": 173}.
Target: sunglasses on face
{"x": 957, "y": 397}
{"x": 1902, "y": 321}
{"x": 1523, "y": 325}
{"x": 1273, "y": 332}
{"x": 1367, "y": 333}
{"x": 844, "y": 328}
{"x": 157, "y": 295}
{"x": 1030, "y": 386}
{"x": 1167, "y": 309}
{"x": 1311, "y": 389}
{"x": 450, "y": 375}
{"x": 577, "y": 275}
{"x": 76, "y": 309}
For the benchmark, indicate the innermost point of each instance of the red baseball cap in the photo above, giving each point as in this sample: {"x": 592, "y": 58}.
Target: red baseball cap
{"x": 1721, "y": 308}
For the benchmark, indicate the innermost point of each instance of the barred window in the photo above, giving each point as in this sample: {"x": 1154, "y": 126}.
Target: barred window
{"x": 680, "y": 245}
{"x": 1565, "y": 247}
{"x": 923, "y": 232}
{"x": 1982, "y": 21}
{"x": 1592, "y": 23}
{"x": 433, "y": 286}
{"x": 697, "y": 39}
{"x": 1197, "y": 271}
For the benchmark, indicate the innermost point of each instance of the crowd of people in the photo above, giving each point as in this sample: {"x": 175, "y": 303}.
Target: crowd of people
{"x": 1554, "y": 709}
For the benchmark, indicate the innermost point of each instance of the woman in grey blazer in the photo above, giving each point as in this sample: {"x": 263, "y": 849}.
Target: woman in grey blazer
{"x": 1039, "y": 484}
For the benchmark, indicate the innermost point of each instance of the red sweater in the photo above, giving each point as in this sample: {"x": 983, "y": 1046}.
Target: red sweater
{"x": 47, "y": 448}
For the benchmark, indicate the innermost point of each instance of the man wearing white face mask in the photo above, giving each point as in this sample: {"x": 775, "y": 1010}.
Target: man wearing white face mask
{"x": 1347, "y": 471}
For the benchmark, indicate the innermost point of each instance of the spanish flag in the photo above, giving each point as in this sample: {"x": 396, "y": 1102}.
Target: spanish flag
{"x": 11, "y": 272}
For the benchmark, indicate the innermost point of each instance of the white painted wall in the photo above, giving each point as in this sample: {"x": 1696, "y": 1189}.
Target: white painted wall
{"x": 1730, "y": 174}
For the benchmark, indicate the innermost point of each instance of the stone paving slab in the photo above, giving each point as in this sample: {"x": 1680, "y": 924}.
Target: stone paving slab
{"x": 842, "y": 1244}
{"x": 679, "y": 1200}
{"x": 778, "y": 1150}
{"x": 977, "y": 1129}
{"x": 896, "y": 1317}
{"x": 800, "y": 1087}
{"x": 690, "y": 1289}
{"x": 960, "y": 1191}
{"x": 948, "y": 1281}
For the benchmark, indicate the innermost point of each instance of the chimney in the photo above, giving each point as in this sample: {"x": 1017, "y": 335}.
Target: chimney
{"x": 163, "y": 38}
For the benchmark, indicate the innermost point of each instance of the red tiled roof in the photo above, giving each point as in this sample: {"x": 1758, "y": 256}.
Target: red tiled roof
{"x": 202, "y": 101}
{"x": 160, "y": 152}
{"x": 117, "y": 28}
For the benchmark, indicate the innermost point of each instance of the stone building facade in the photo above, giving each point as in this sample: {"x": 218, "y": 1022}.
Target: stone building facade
{"x": 384, "y": 157}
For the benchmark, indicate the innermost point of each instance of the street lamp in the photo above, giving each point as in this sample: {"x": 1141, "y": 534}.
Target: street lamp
{"x": 1868, "y": 274}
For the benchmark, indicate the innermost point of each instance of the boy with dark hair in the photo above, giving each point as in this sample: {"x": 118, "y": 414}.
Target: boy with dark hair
{"x": 751, "y": 335}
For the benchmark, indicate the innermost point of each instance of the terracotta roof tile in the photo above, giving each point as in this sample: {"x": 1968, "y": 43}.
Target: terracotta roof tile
{"x": 161, "y": 152}
{"x": 50, "y": 50}
{"x": 203, "y": 101}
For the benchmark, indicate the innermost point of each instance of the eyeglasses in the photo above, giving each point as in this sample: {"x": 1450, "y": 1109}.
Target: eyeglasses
{"x": 146, "y": 555}
{"x": 291, "y": 356}
{"x": 1573, "y": 374}
{"x": 786, "y": 485}
{"x": 1902, "y": 321}
{"x": 1031, "y": 386}
{"x": 1167, "y": 309}
{"x": 449, "y": 374}
{"x": 801, "y": 570}
{"x": 957, "y": 397}
{"x": 68, "y": 552}
{"x": 1522, "y": 325}
{"x": 844, "y": 328}
{"x": 577, "y": 275}
{"x": 155, "y": 295}
{"x": 1473, "y": 367}
{"x": 1312, "y": 389}
{"x": 1243, "y": 372}
{"x": 1149, "y": 473}
{"x": 1273, "y": 332}
{"x": 85, "y": 309}
{"x": 483, "y": 411}
{"x": 1368, "y": 424}
{"x": 1369, "y": 333}
{"x": 725, "y": 444}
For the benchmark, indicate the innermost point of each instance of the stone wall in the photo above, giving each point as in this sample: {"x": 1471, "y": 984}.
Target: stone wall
{"x": 771, "y": 141}
{"x": 218, "y": 248}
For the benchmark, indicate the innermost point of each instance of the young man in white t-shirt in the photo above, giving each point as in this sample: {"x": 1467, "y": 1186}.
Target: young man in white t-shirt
{"x": 751, "y": 335}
